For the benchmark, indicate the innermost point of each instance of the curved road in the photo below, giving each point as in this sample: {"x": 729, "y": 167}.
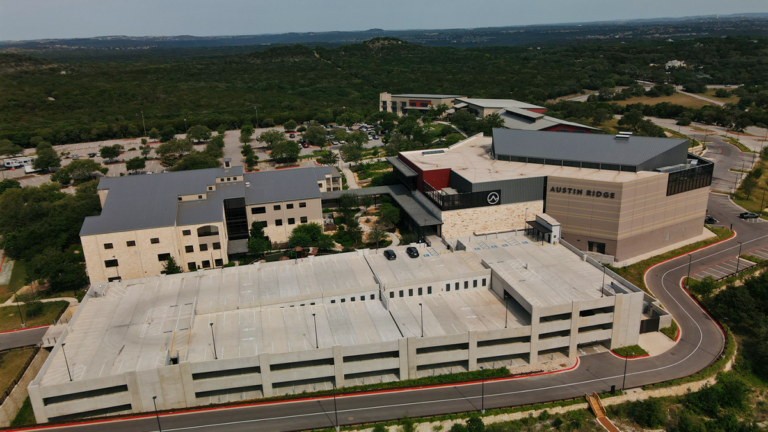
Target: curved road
{"x": 700, "y": 344}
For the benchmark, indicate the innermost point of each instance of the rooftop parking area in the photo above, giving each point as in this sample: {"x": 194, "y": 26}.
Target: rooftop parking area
{"x": 470, "y": 159}
{"x": 542, "y": 274}
{"x": 408, "y": 271}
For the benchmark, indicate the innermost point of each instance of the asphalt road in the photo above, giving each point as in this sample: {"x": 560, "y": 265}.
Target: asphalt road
{"x": 21, "y": 338}
{"x": 700, "y": 344}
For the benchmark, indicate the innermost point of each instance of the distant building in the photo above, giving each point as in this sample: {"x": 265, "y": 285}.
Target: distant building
{"x": 674, "y": 64}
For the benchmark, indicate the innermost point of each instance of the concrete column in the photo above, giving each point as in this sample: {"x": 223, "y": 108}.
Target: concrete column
{"x": 134, "y": 389}
{"x": 37, "y": 404}
{"x": 573, "y": 347}
{"x": 266, "y": 380}
{"x": 534, "y": 356}
{"x": 185, "y": 370}
{"x": 472, "y": 351}
{"x": 617, "y": 340}
{"x": 402, "y": 346}
{"x": 412, "y": 369}
{"x": 338, "y": 365}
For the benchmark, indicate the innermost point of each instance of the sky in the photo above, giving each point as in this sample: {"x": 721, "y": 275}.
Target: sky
{"x": 55, "y": 19}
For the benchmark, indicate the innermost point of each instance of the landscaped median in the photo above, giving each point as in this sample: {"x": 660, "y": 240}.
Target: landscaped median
{"x": 630, "y": 352}
{"x": 33, "y": 314}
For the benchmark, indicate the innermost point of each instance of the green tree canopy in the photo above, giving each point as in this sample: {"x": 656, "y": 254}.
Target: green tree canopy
{"x": 290, "y": 125}
{"x": 154, "y": 134}
{"x": 328, "y": 158}
{"x": 167, "y": 133}
{"x": 194, "y": 161}
{"x": 285, "y": 152}
{"x": 9, "y": 149}
{"x": 199, "y": 133}
{"x": 316, "y": 136}
{"x": 135, "y": 164}
{"x": 351, "y": 152}
{"x": 171, "y": 267}
{"x": 246, "y": 132}
{"x": 59, "y": 270}
{"x": 47, "y": 157}
{"x": 389, "y": 214}
{"x": 272, "y": 137}
{"x": 9, "y": 184}
{"x": 175, "y": 146}
{"x": 110, "y": 152}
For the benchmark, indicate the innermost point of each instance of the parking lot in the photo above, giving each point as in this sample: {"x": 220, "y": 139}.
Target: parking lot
{"x": 729, "y": 267}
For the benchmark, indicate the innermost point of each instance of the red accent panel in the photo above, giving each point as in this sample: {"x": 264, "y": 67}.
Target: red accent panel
{"x": 419, "y": 103}
{"x": 569, "y": 128}
{"x": 538, "y": 110}
{"x": 439, "y": 178}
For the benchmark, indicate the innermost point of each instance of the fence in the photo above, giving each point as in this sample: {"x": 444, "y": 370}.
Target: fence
{"x": 20, "y": 374}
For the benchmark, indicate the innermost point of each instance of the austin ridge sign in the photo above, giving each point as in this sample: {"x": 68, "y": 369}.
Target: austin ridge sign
{"x": 584, "y": 192}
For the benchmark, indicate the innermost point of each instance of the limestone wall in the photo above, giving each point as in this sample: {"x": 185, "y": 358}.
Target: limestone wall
{"x": 459, "y": 223}
{"x": 15, "y": 400}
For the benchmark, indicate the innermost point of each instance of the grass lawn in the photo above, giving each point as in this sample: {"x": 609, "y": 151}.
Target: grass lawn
{"x": 18, "y": 280}
{"x": 710, "y": 93}
{"x": 25, "y": 416}
{"x": 9, "y": 315}
{"x": 741, "y": 146}
{"x": 12, "y": 363}
{"x": 634, "y": 273}
{"x": 671, "y": 331}
{"x": 631, "y": 351}
{"x": 676, "y": 98}
{"x": 755, "y": 200}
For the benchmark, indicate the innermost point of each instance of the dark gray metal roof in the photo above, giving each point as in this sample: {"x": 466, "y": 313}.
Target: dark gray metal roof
{"x": 433, "y": 96}
{"x": 208, "y": 210}
{"x": 148, "y": 201}
{"x": 419, "y": 212}
{"x": 517, "y": 118}
{"x": 285, "y": 185}
{"x": 597, "y": 148}
{"x": 401, "y": 166}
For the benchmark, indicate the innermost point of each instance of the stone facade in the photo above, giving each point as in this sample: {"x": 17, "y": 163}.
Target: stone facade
{"x": 478, "y": 220}
{"x": 280, "y": 218}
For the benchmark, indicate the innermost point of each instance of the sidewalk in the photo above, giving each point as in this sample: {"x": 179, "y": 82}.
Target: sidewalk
{"x": 351, "y": 182}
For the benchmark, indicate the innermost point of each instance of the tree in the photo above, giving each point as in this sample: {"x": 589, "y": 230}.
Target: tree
{"x": 389, "y": 214}
{"x": 47, "y": 157}
{"x": 221, "y": 129}
{"x": 110, "y": 152}
{"x": 78, "y": 170}
{"x": 465, "y": 120}
{"x": 313, "y": 230}
{"x": 601, "y": 115}
{"x": 258, "y": 246}
{"x": 631, "y": 118}
{"x": 9, "y": 149}
{"x": 358, "y": 138}
{"x": 748, "y": 185}
{"x": 285, "y": 152}
{"x": 351, "y": 152}
{"x": 683, "y": 121}
{"x": 704, "y": 287}
{"x": 213, "y": 150}
{"x": 267, "y": 123}
{"x": 325, "y": 242}
{"x": 135, "y": 164}
{"x": 366, "y": 201}
{"x": 453, "y": 139}
{"x": 377, "y": 235}
{"x": 154, "y": 134}
{"x": 167, "y": 134}
{"x": 316, "y": 136}
{"x": 396, "y": 144}
{"x": 348, "y": 202}
{"x": 177, "y": 147}
{"x": 490, "y": 122}
{"x": 145, "y": 151}
{"x": 59, "y": 270}
{"x": 170, "y": 267}
{"x": 650, "y": 413}
{"x": 328, "y": 158}
{"x": 199, "y": 133}
{"x": 290, "y": 125}
{"x": 195, "y": 161}
{"x": 272, "y": 137}
{"x": 218, "y": 141}
{"x": 246, "y": 150}
{"x": 354, "y": 230}
{"x": 143, "y": 142}
{"x": 245, "y": 134}
{"x": 299, "y": 239}
{"x": 9, "y": 184}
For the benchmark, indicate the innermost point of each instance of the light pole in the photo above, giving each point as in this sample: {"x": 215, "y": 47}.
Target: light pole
{"x": 422, "y": 319}
{"x": 738, "y": 259}
{"x": 117, "y": 268}
{"x": 335, "y": 410}
{"x": 157, "y": 414}
{"x": 626, "y": 360}
{"x": 16, "y": 297}
{"x": 215, "y": 357}
{"x": 482, "y": 394}
{"x": 317, "y": 345}
{"x": 690, "y": 258}
{"x": 66, "y": 362}
{"x": 143, "y": 124}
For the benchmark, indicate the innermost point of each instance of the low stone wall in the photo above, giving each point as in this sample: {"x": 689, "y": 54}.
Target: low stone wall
{"x": 15, "y": 400}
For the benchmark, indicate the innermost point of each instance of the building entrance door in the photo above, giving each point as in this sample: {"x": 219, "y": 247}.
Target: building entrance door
{"x": 597, "y": 247}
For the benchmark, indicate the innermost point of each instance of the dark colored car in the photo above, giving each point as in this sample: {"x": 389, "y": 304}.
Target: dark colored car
{"x": 292, "y": 135}
{"x": 390, "y": 255}
{"x": 749, "y": 215}
{"x": 709, "y": 220}
{"x": 412, "y": 252}
{"x": 91, "y": 155}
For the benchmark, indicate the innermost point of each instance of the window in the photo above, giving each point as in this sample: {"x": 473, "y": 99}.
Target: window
{"x": 110, "y": 263}
{"x": 206, "y": 264}
{"x": 429, "y": 290}
{"x": 401, "y": 293}
{"x": 234, "y": 178}
{"x": 108, "y": 246}
{"x": 391, "y": 294}
{"x": 362, "y": 298}
{"x": 229, "y": 179}
{"x": 351, "y": 299}
{"x": 218, "y": 262}
{"x": 210, "y": 188}
{"x": 343, "y": 300}
{"x": 203, "y": 247}
{"x": 191, "y": 266}
{"x": 333, "y": 301}
{"x": 303, "y": 219}
{"x": 289, "y": 206}
{"x": 154, "y": 240}
{"x": 179, "y": 199}
{"x": 199, "y": 197}
{"x": 258, "y": 210}
{"x": 163, "y": 256}
{"x": 483, "y": 281}
{"x": 447, "y": 287}
{"x": 466, "y": 284}
{"x": 278, "y": 222}
{"x": 130, "y": 243}
{"x": 186, "y": 232}
{"x": 420, "y": 291}
{"x": 291, "y": 221}
{"x": 189, "y": 249}
{"x": 277, "y": 207}
{"x": 216, "y": 246}
{"x": 302, "y": 205}
{"x": 474, "y": 283}
{"x": 456, "y": 286}
{"x": 410, "y": 292}
{"x": 373, "y": 296}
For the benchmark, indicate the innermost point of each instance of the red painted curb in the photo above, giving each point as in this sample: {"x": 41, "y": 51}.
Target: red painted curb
{"x": 629, "y": 358}
{"x": 137, "y": 417}
{"x": 1, "y": 264}
{"x": 701, "y": 306}
{"x": 28, "y": 328}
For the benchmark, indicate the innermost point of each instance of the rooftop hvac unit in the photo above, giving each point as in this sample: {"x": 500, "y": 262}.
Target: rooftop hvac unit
{"x": 624, "y": 135}
{"x": 247, "y": 184}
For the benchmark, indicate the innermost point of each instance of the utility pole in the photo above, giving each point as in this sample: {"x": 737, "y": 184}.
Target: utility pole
{"x": 761, "y": 202}
{"x": 738, "y": 259}
{"x": 624, "y": 381}
{"x": 335, "y": 410}
{"x": 16, "y": 297}
{"x": 66, "y": 362}
{"x": 157, "y": 415}
{"x": 317, "y": 345}
{"x": 215, "y": 356}
{"x": 482, "y": 395}
{"x": 690, "y": 258}
{"x": 143, "y": 124}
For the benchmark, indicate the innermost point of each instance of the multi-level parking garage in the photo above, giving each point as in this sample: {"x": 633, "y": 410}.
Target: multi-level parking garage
{"x": 281, "y": 328}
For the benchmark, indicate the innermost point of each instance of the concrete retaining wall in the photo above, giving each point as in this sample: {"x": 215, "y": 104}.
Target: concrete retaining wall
{"x": 15, "y": 400}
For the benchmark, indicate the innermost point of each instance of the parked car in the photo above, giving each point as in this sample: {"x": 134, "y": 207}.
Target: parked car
{"x": 390, "y": 255}
{"x": 709, "y": 220}
{"x": 749, "y": 215}
{"x": 292, "y": 135}
{"x": 412, "y": 252}
{"x": 91, "y": 155}
{"x": 305, "y": 145}
{"x": 75, "y": 157}
{"x": 375, "y": 137}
